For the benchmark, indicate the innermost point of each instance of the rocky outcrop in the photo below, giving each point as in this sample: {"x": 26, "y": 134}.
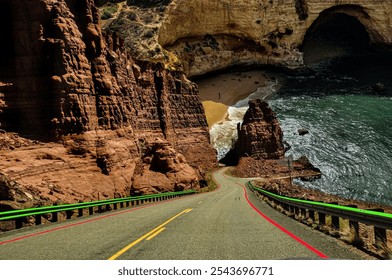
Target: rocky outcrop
{"x": 259, "y": 136}
{"x": 266, "y": 32}
{"x": 93, "y": 107}
{"x": 206, "y": 35}
{"x": 164, "y": 169}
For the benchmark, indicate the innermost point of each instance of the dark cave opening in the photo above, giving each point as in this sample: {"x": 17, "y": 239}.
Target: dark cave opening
{"x": 334, "y": 36}
{"x": 341, "y": 54}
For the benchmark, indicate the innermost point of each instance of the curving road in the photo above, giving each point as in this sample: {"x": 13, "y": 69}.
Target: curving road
{"x": 229, "y": 223}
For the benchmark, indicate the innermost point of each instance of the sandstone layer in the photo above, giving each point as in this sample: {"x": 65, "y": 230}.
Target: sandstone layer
{"x": 94, "y": 112}
{"x": 267, "y": 32}
{"x": 205, "y": 35}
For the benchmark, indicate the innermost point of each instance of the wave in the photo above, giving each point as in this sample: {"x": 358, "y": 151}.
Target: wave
{"x": 224, "y": 135}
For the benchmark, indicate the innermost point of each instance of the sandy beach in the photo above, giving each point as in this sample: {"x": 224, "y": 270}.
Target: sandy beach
{"x": 221, "y": 91}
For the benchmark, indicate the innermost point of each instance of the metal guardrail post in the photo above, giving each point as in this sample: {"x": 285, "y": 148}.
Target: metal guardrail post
{"x": 335, "y": 224}
{"x": 380, "y": 234}
{"x": 69, "y": 214}
{"x": 311, "y": 215}
{"x": 90, "y": 211}
{"x": 80, "y": 212}
{"x": 18, "y": 223}
{"x": 55, "y": 217}
{"x": 38, "y": 219}
{"x": 321, "y": 218}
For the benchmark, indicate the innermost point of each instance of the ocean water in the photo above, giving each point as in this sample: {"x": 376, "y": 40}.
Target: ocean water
{"x": 350, "y": 127}
{"x": 350, "y": 140}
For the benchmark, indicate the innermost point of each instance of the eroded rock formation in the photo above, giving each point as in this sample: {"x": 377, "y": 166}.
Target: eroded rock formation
{"x": 267, "y": 32}
{"x": 164, "y": 169}
{"x": 259, "y": 136}
{"x": 206, "y": 35}
{"x": 93, "y": 107}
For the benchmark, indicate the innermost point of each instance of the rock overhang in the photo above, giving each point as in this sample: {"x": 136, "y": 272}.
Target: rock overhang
{"x": 269, "y": 32}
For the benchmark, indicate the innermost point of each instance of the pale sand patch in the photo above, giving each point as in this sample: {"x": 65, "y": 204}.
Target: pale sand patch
{"x": 221, "y": 91}
{"x": 217, "y": 112}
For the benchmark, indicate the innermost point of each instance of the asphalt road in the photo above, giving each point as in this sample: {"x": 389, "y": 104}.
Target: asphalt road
{"x": 227, "y": 224}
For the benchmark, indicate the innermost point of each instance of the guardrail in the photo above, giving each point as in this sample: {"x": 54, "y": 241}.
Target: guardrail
{"x": 94, "y": 206}
{"x": 308, "y": 208}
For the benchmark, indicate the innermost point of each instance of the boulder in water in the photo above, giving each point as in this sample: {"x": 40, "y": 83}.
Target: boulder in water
{"x": 379, "y": 87}
{"x": 303, "y": 131}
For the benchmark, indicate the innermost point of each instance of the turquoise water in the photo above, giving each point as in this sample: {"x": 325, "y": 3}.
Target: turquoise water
{"x": 349, "y": 120}
{"x": 350, "y": 140}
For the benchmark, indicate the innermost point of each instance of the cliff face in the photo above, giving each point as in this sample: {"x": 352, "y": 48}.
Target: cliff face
{"x": 96, "y": 109}
{"x": 267, "y": 32}
{"x": 259, "y": 136}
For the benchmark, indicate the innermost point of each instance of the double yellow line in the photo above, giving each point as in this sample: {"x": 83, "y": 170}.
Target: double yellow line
{"x": 149, "y": 235}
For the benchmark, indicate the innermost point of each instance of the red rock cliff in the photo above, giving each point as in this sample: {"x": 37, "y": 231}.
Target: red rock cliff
{"x": 63, "y": 81}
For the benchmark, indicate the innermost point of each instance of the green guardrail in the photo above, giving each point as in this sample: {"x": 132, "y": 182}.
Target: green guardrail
{"x": 370, "y": 217}
{"x": 17, "y": 215}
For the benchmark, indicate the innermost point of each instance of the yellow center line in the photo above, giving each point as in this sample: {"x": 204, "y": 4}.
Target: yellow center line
{"x": 152, "y": 232}
{"x": 155, "y": 234}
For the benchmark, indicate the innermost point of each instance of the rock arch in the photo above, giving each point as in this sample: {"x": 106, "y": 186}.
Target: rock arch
{"x": 372, "y": 25}
{"x": 338, "y": 31}
{"x": 270, "y": 32}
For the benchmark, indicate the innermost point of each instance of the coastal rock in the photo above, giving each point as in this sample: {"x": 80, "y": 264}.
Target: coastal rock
{"x": 259, "y": 136}
{"x": 303, "y": 131}
{"x": 203, "y": 36}
{"x": 379, "y": 87}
